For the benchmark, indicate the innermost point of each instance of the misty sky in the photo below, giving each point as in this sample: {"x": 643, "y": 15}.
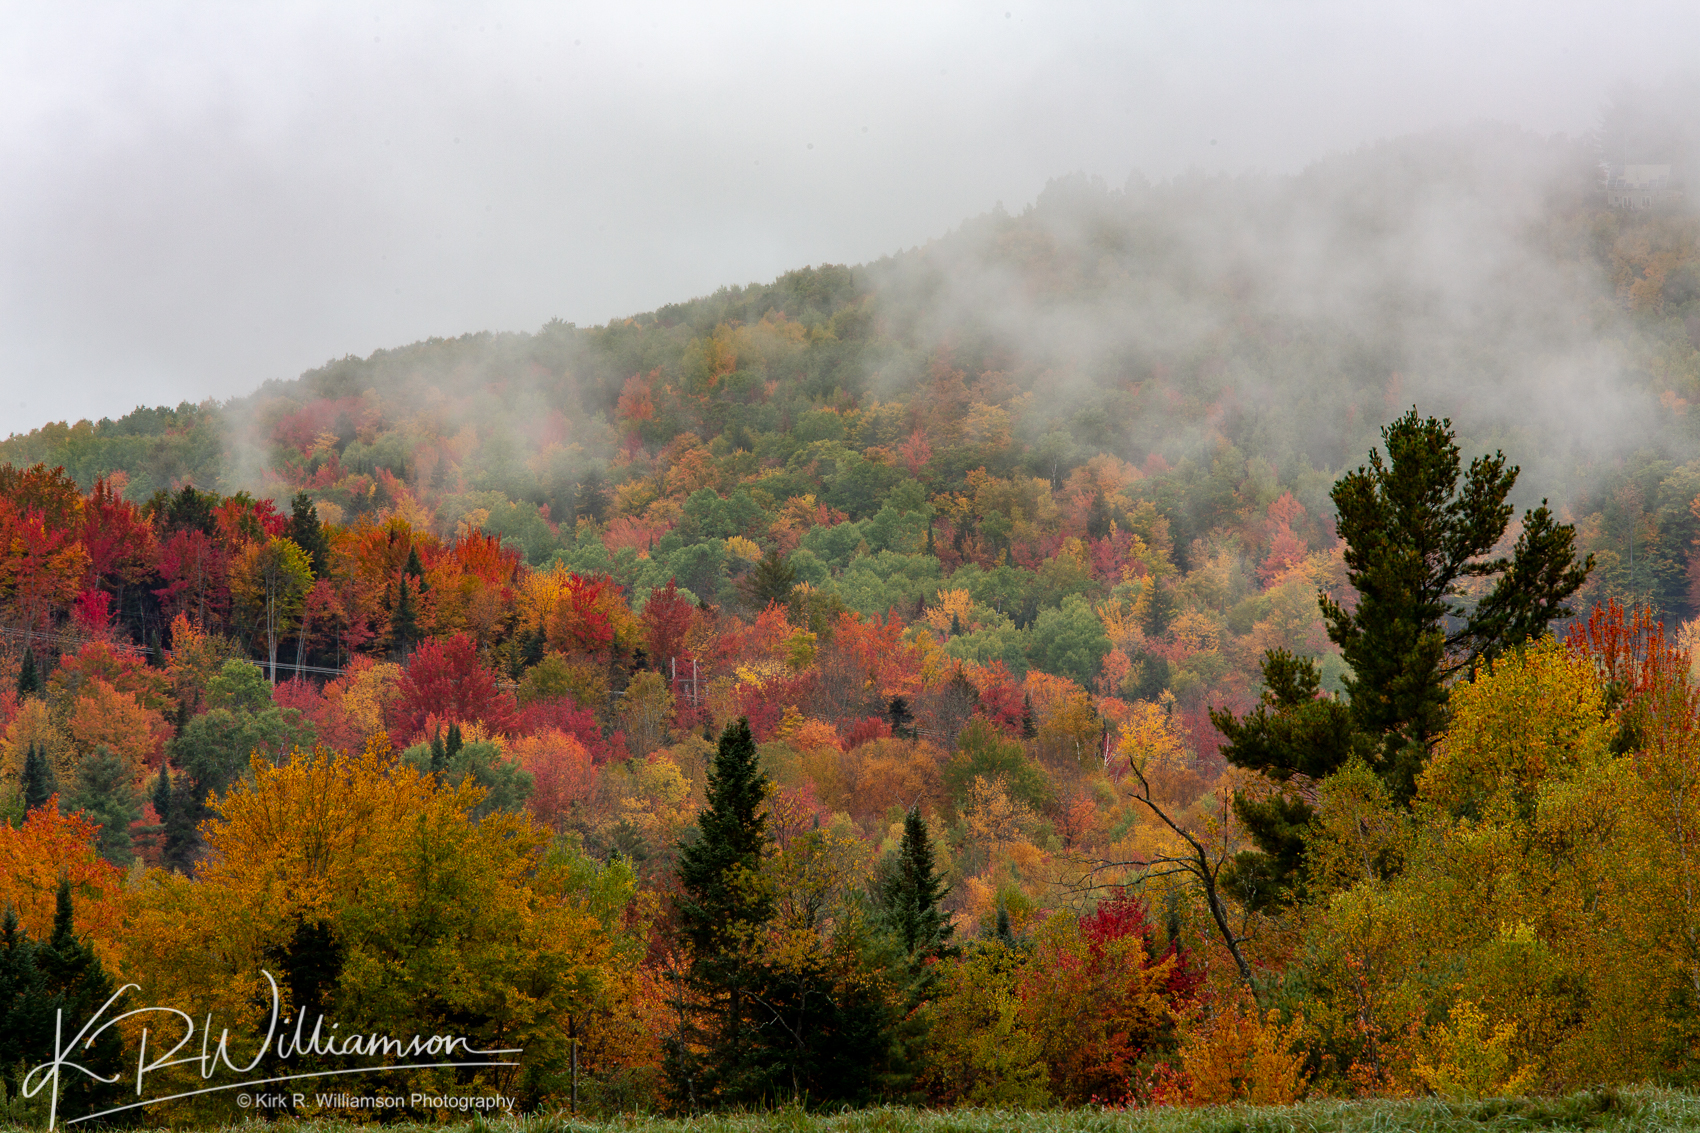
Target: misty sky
{"x": 195, "y": 198}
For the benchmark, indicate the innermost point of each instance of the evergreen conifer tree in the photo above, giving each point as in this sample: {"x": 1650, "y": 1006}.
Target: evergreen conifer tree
{"x": 29, "y": 676}
{"x": 902, "y": 720}
{"x": 414, "y": 569}
{"x": 910, "y": 893}
{"x": 439, "y": 756}
{"x": 1415, "y": 525}
{"x": 105, "y": 795}
{"x": 724, "y": 902}
{"x": 772, "y": 580}
{"x": 536, "y": 642}
{"x": 77, "y": 986}
{"x": 26, "y": 1022}
{"x": 307, "y": 532}
{"x": 40, "y": 785}
{"x": 1004, "y": 933}
{"x": 404, "y": 626}
{"x": 182, "y": 842}
{"x": 1098, "y": 519}
{"x": 161, "y": 794}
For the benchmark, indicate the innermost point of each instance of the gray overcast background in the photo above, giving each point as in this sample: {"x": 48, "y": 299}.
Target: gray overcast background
{"x": 195, "y": 198}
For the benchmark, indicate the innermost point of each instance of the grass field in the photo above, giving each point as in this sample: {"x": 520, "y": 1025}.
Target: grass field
{"x": 1630, "y": 1109}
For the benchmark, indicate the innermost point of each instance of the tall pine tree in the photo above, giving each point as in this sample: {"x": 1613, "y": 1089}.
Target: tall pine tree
{"x": 179, "y": 802}
{"x": 724, "y": 902}
{"x": 1416, "y": 525}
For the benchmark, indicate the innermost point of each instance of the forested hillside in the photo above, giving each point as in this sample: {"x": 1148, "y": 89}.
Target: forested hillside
{"x": 974, "y": 537}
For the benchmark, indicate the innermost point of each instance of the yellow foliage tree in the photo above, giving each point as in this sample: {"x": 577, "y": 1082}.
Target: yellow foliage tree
{"x": 34, "y": 724}
{"x": 1520, "y": 874}
{"x": 980, "y": 1051}
{"x": 378, "y": 901}
{"x": 645, "y": 711}
{"x": 1242, "y": 1055}
{"x": 951, "y": 604}
{"x": 1470, "y": 1058}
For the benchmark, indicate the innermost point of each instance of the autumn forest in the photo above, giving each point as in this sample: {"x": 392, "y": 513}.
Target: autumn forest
{"x": 1175, "y": 644}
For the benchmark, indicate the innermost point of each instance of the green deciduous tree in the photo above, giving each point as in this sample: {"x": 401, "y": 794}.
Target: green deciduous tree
{"x": 980, "y": 1050}
{"x": 271, "y": 581}
{"x": 451, "y": 762}
{"x": 1069, "y": 639}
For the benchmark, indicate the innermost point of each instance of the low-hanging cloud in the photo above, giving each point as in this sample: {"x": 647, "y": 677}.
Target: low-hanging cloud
{"x": 197, "y": 199}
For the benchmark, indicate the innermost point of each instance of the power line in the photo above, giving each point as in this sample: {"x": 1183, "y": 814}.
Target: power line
{"x": 76, "y": 641}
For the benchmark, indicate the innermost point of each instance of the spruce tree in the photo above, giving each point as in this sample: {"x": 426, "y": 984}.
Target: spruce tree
{"x": 901, "y": 718}
{"x": 404, "y": 627}
{"x": 105, "y": 794}
{"x": 307, "y": 532}
{"x": 26, "y": 1021}
{"x": 723, "y": 903}
{"x": 40, "y": 785}
{"x": 536, "y": 643}
{"x": 772, "y": 580}
{"x": 910, "y": 893}
{"x": 29, "y": 677}
{"x": 77, "y": 986}
{"x": 161, "y": 794}
{"x": 439, "y": 755}
{"x": 1004, "y": 933}
{"x": 181, "y": 820}
{"x": 414, "y": 569}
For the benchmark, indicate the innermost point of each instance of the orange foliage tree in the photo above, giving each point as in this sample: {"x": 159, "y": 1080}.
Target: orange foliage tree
{"x": 48, "y": 846}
